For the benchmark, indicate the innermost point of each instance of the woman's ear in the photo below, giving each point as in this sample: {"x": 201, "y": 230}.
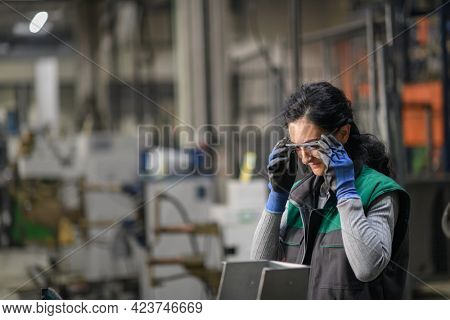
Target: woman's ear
{"x": 343, "y": 134}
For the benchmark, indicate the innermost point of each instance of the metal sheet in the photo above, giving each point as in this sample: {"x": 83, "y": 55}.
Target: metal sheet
{"x": 248, "y": 280}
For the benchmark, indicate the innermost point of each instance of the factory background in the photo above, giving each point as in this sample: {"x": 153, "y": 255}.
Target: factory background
{"x": 90, "y": 208}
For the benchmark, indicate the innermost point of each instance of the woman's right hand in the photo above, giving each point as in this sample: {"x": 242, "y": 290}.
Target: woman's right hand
{"x": 282, "y": 167}
{"x": 282, "y": 173}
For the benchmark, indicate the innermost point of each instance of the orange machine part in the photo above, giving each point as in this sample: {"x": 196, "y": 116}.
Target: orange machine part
{"x": 416, "y": 98}
{"x": 423, "y": 30}
{"x": 343, "y": 51}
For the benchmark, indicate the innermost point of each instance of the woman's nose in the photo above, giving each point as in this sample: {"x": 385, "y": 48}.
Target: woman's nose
{"x": 303, "y": 155}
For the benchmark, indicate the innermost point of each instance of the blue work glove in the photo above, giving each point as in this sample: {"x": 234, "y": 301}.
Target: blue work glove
{"x": 277, "y": 201}
{"x": 282, "y": 172}
{"x": 339, "y": 172}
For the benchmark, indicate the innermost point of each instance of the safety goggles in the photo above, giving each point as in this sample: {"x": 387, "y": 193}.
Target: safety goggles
{"x": 308, "y": 146}
{"x": 311, "y": 147}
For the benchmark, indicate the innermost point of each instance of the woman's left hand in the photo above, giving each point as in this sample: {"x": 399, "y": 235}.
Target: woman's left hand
{"x": 339, "y": 171}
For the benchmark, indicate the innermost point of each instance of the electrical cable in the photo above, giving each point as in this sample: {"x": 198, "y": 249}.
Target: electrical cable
{"x": 446, "y": 221}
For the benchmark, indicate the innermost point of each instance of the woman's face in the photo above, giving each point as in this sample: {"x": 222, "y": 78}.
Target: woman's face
{"x": 302, "y": 131}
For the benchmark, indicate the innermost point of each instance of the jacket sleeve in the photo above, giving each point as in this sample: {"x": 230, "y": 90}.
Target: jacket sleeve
{"x": 368, "y": 237}
{"x": 266, "y": 244}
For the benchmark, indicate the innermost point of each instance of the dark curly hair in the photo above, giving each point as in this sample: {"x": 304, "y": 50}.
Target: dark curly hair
{"x": 327, "y": 107}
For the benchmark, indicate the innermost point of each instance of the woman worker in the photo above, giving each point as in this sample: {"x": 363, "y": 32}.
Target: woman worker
{"x": 347, "y": 218}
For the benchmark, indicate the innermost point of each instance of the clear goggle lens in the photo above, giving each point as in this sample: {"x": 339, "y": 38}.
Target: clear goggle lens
{"x": 310, "y": 149}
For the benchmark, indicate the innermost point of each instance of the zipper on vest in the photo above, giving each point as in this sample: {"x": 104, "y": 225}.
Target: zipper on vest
{"x": 307, "y": 230}
{"x": 304, "y": 236}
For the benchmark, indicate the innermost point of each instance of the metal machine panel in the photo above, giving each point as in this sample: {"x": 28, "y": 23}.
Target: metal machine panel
{"x": 111, "y": 160}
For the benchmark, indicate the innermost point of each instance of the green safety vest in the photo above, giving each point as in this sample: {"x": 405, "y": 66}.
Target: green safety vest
{"x": 313, "y": 237}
